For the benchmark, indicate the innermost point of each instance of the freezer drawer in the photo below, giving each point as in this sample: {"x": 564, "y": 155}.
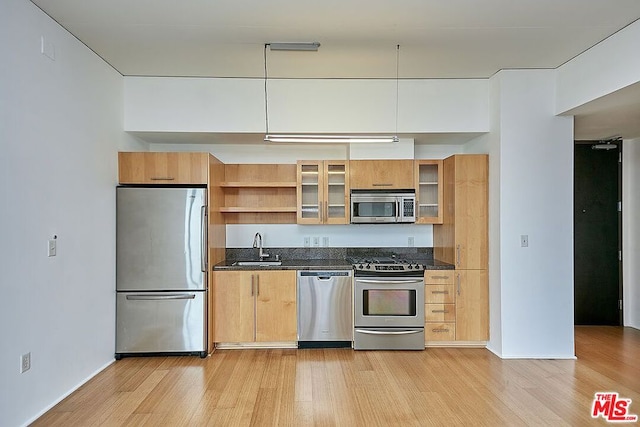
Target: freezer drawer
{"x": 325, "y": 306}
{"x": 161, "y": 322}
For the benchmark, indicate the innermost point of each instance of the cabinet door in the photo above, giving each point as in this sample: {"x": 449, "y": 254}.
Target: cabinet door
{"x": 310, "y": 182}
{"x": 471, "y": 212}
{"x": 163, "y": 168}
{"x": 336, "y": 192}
{"x": 234, "y": 306}
{"x": 428, "y": 175}
{"x": 472, "y": 305}
{"x": 276, "y": 306}
{"x": 381, "y": 174}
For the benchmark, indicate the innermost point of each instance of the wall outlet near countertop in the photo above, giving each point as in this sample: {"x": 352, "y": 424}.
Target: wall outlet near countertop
{"x": 316, "y": 241}
{"x": 325, "y": 242}
{"x": 25, "y": 362}
{"x": 307, "y": 241}
{"x": 410, "y": 241}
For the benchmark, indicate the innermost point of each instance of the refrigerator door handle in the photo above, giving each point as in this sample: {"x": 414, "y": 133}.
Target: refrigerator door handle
{"x": 203, "y": 231}
{"x": 143, "y": 297}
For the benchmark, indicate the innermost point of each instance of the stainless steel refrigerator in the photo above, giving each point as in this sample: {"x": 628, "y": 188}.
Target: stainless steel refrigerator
{"x": 161, "y": 271}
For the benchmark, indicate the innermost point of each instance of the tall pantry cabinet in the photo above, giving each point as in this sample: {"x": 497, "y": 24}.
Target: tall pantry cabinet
{"x": 462, "y": 240}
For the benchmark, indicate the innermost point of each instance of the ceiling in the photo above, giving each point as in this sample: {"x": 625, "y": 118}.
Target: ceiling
{"x": 438, "y": 39}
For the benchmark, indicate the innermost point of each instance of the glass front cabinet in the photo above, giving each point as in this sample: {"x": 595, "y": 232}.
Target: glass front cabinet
{"x": 428, "y": 175}
{"x": 323, "y": 192}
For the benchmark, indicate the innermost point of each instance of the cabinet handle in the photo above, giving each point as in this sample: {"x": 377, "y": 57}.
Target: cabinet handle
{"x": 252, "y": 285}
{"x": 458, "y": 255}
{"x": 257, "y": 285}
{"x": 458, "y": 280}
{"x": 440, "y": 292}
{"x": 382, "y": 185}
{"x": 326, "y": 211}
{"x": 440, "y": 277}
{"x": 439, "y": 330}
{"x": 162, "y": 178}
{"x": 439, "y": 311}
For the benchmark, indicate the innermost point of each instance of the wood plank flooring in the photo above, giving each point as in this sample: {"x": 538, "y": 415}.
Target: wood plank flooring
{"x": 341, "y": 387}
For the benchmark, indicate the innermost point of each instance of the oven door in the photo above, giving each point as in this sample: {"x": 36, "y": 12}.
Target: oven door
{"x": 374, "y": 209}
{"x": 389, "y": 302}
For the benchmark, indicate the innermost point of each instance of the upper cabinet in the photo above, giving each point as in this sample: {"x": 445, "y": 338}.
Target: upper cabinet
{"x": 381, "y": 174}
{"x": 323, "y": 192}
{"x": 462, "y": 239}
{"x": 428, "y": 175}
{"x": 259, "y": 194}
{"x": 163, "y": 168}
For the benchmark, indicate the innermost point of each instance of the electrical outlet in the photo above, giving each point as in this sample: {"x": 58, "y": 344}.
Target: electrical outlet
{"x": 524, "y": 241}
{"x": 25, "y": 362}
{"x": 410, "y": 241}
{"x": 307, "y": 241}
{"x": 316, "y": 241}
{"x": 325, "y": 241}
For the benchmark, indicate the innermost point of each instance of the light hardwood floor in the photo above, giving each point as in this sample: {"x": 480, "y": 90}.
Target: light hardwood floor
{"x": 348, "y": 388}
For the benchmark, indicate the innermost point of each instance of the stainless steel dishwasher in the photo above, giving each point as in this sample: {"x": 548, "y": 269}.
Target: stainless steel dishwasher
{"x": 325, "y": 309}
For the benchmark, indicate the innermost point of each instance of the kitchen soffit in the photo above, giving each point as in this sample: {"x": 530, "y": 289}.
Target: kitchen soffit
{"x": 225, "y": 38}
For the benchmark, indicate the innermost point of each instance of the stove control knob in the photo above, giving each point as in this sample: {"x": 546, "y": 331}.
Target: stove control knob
{"x": 368, "y": 266}
{"x": 361, "y": 266}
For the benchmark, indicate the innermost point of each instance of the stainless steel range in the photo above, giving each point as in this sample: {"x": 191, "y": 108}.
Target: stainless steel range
{"x": 389, "y": 304}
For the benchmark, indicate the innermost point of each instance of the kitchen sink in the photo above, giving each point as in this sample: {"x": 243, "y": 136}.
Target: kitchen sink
{"x": 257, "y": 263}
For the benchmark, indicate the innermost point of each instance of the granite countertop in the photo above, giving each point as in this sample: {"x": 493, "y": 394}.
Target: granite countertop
{"x": 325, "y": 258}
{"x": 289, "y": 264}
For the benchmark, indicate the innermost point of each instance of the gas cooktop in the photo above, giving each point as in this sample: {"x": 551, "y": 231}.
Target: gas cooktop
{"x": 384, "y": 265}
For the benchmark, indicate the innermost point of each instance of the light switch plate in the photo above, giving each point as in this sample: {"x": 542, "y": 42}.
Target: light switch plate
{"x": 52, "y": 247}
{"x": 524, "y": 241}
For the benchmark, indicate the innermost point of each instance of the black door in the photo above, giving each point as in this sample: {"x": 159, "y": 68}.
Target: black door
{"x": 597, "y": 190}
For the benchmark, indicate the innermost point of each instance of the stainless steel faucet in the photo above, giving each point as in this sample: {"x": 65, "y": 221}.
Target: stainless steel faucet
{"x": 257, "y": 243}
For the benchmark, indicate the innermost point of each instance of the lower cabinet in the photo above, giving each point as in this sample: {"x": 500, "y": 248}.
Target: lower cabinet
{"x": 255, "y": 306}
{"x": 472, "y": 305}
{"x": 440, "y": 307}
{"x": 456, "y": 305}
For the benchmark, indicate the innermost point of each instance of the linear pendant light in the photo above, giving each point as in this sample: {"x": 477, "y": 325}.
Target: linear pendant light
{"x": 319, "y": 138}
{"x": 329, "y": 139}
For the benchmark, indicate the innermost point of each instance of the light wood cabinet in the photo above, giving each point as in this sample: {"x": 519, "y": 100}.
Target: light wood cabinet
{"x": 462, "y": 239}
{"x": 472, "y": 305}
{"x": 381, "y": 174}
{"x": 323, "y": 192}
{"x": 428, "y": 185}
{"x": 440, "y": 306}
{"x": 259, "y": 194}
{"x": 255, "y": 306}
{"x": 163, "y": 168}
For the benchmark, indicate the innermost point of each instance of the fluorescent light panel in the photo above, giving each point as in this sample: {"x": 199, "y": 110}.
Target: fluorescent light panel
{"x": 295, "y": 46}
{"x": 328, "y": 139}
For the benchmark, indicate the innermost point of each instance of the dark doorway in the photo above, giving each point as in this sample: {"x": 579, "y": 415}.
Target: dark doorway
{"x": 597, "y": 226}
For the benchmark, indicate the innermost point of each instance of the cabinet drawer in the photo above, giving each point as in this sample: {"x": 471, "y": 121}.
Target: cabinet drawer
{"x": 440, "y": 332}
{"x": 439, "y": 294}
{"x": 440, "y": 312}
{"x": 438, "y": 277}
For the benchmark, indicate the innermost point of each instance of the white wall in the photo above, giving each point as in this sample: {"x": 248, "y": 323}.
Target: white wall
{"x": 608, "y": 66}
{"x": 61, "y": 126}
{"x": 631, "y": 232}
{"x": 340, "y": 236}
{"x": 535, "y": 180}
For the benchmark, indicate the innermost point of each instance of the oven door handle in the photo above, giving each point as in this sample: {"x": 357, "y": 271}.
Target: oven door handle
{"x": 371, "y": 332}
{"x": 390, "y": 281}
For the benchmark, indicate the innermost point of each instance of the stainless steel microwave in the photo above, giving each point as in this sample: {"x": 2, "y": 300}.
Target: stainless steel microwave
{"x": 383, "y": 206}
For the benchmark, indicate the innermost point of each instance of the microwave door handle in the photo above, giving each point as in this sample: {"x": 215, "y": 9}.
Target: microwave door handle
{"x": 397, "y": 210}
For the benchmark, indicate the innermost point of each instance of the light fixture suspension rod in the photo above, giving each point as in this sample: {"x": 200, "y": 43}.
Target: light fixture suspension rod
{"x": 266, "y": 97}
{"x": 397, "y": 85}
